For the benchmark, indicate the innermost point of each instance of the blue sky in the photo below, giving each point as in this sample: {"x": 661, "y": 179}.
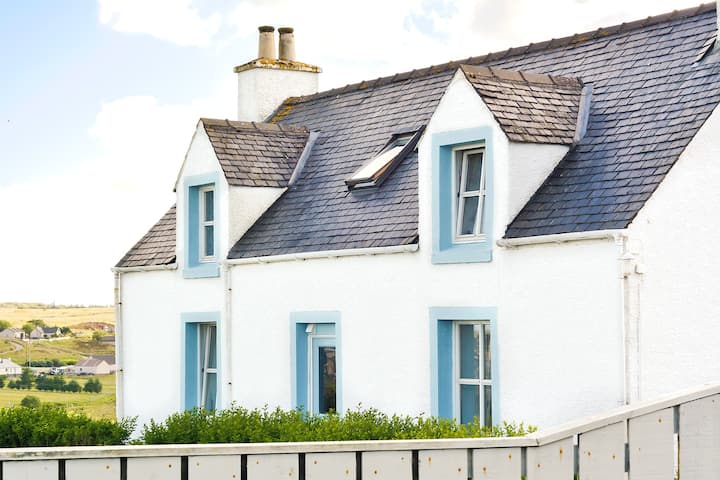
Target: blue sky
{"x": 100, "y": 97}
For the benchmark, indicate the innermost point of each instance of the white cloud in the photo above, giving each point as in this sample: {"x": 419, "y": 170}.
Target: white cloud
{"x": 61, "y": 235}
{"x": 175, "y": 21}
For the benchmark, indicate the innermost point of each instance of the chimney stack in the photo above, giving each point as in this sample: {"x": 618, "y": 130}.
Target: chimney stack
{"x": 266, "y": 44}
{"x": 265, "y": 83}
{"x": 287, "y": 44}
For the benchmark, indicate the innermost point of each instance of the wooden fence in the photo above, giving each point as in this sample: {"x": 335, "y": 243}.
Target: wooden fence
{"x": 674, "y": 437}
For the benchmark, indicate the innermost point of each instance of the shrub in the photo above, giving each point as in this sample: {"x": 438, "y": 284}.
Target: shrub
{"x": 52, "y": 426}
{"x": 72, "y": 386}
{"x": 93, "y": 386}
{"x": 97, "y": 336}
{"x": 240, "y": 425}
{"x": 30, "y": 401}
{"x": 55, "y": 384}
{"x": 26, "y": 380}
{"x": 3, "y": 378}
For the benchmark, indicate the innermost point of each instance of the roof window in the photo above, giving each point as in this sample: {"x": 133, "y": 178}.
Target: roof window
{"x": 373, "y": 172}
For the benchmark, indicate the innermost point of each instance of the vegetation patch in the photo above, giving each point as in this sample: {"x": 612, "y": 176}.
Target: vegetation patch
{"x": 46, "y": 425}
{"x": 241, "y": 425}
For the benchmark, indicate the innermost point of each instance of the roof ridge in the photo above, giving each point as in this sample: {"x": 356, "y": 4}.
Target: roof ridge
{"x": 254, "y": 126}
{"x": 513, "y": 51}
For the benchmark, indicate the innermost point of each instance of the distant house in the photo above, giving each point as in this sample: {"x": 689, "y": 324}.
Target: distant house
{"x": 8, "y": 367}
{"x": 37, "y": 333}
{"x": 51, "y": 332}
{"x": 89, "y": 366}
{"x": 12, "y": 333}
{"x": 108, "y": 339}
{"x": 109, "y": 359}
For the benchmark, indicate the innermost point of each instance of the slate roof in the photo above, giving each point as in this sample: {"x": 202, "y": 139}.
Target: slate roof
{"x": 318, "y": 212}
{"x": 650, "y": 97}
{"x": 529, "y": 107}
{"x": 157, "y": 247}
{"x": 256, "y": 154}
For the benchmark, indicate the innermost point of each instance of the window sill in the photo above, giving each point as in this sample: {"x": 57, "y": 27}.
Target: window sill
{"x": 203, "y": 270}
{"x": 479, "y": 252}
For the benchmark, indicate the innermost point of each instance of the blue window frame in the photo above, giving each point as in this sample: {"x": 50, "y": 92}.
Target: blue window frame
{"x": 316, "y": 361}
{"x": 464, "y": 364}
{"x": 202, "y": 233}
{"x": 462, "y": 196}
{"x": 201, "y": 360}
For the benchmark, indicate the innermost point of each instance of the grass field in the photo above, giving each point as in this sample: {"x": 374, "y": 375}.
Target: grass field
{"x": 97, "y": 405}
{"x": 68, "y": 350}
{"x": 62, "y": 316}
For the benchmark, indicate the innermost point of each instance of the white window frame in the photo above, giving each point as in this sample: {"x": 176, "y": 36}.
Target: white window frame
{"x": 457, "y": 381}
{"x": 312, "y": 389}
{"x": 205, "y": 337}
{"x": 459, "y": 158}
{"x": 204, "y": 222}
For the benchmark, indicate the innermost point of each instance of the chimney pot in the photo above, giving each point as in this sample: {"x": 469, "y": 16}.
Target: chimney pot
{"x": 266, "y": 43}
{"x": 287, "y": 44}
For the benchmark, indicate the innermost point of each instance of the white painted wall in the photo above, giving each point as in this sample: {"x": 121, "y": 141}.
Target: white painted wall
{"x": 262, "y": 90}
{"x": 560, "y": 341}
{"x": 152, "y": 333}
{"x": 678, "y": 234}
{"x": 247, "y": 204}
{"x": 529, "y": 165}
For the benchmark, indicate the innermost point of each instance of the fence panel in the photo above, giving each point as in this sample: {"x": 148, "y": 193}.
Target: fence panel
{"x": 442, "y": 464}
{"x": 652, "y": 446}
{"x": 275, "y": 466}
{"x": 330, "y": 466}
{"x": 30, "y": 470}
{"x": 153, "y": 468}
{"x": 215, "y": 467}
{"x": 554, "y": 461}
{"x": 93, "y": 469}
{"x": 602, "y": 453}
{"x": 497, "y": 464}
{"x": 387, "y": 465}
{"x": 700, "y": 439}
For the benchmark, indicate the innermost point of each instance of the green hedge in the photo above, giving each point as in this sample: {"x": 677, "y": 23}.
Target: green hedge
{"x": 240, "y": 425}
{"x": 52, "y": 426}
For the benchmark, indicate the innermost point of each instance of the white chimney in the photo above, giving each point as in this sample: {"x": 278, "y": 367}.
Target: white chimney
{"x": 264, "y": 83}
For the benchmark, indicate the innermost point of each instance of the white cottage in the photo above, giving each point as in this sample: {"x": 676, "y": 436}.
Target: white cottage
{"x": 524, "y": 235}
{"x": 8, "y": 367}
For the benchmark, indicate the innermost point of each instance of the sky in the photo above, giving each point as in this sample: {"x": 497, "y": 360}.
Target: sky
{"x": 99, "y": 99}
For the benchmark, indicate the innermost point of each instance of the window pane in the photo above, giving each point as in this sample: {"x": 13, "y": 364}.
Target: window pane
{"x": 469, "y": 403}
{"x": 212, "y": 358}
{"x": 210, "y": 392}
{"x": 209, "y": 241}
{"x": 209, "y": 196}
{"x": 474, "y": 172}
{"x": 326, "y": 375}
{"x": 469, "y": 351}
{"x": 487, "y": 394}
{"x": 469, "y": 215}
{"x": 488, "y": 353}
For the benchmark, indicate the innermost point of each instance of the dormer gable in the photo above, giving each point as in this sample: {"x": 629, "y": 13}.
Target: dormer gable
{"x": 531, "y": 107}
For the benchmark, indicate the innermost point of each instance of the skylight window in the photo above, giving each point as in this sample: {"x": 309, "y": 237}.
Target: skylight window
{"x": 373, "y": 172}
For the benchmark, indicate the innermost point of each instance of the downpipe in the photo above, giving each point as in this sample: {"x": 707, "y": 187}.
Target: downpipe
{"x": 119, "y": 369}
{"x": 630, "y": 271}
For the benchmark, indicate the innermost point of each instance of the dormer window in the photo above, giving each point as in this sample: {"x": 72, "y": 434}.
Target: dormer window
{"x": 469, "y": 175}
{"x": 378, "y": 168}
{"x": 207, "y": 223}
